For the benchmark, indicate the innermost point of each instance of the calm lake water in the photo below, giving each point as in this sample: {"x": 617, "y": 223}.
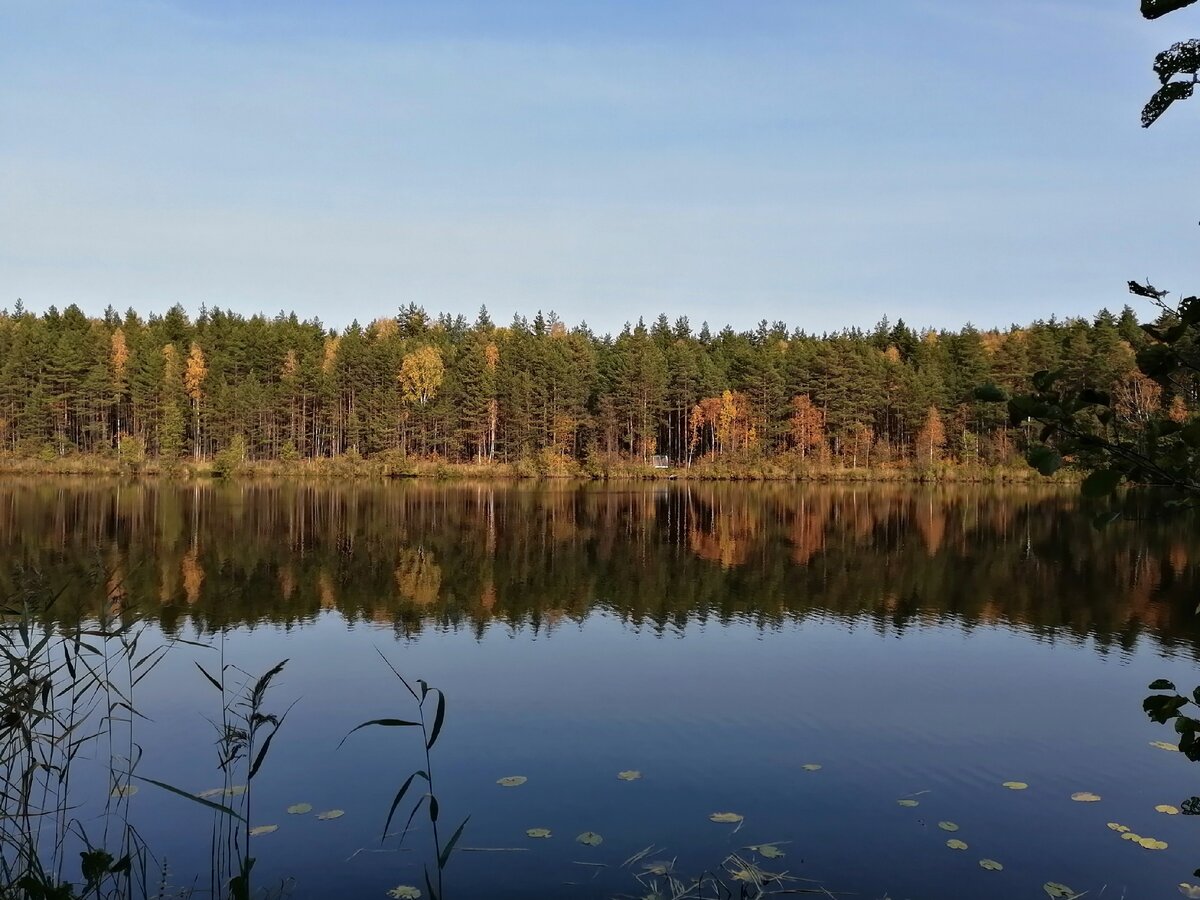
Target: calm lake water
{"x": 914, "y": 643}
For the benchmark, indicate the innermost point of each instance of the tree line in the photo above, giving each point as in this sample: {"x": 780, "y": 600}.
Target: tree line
{"x": 172, "y": 387}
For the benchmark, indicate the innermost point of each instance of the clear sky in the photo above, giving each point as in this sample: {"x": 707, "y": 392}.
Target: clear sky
{"x": 822, "y": 163}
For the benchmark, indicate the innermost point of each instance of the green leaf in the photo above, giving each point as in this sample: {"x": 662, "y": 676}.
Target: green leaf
{"x": 990, "y": 393}
{"x": 445, "y": 854}
{"x": 1162, "y": 709}
{"x": 1162, "y": 684}
{"x": 1045, "y": 460}
{"x": 386, "y": 723}
{"x": 438, "y": 719}
{"x": 203, "y": 802}
{"x": 400, "y": 796}
{"x": 1101, "y": 483}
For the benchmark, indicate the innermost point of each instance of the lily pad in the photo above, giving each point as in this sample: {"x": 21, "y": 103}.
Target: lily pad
{"x": 405, "y": 892}
{"x": 590, "y": 838}
{"x": 124, "y": 790}
{"x": 1190, "y": 890}
{"x": 235, "y": 790}
{"x": 1167, "y": 810}
{"x": 1150, "y": 843}
{"x": 659, "y": 867}
{"x": 511, "y": 780}
{"x": 908, "y": 802}
{"x": 537, "y": 832}
{"x": 726, "y": 818}
{"x": 263, "y": 829}
{"x": 991, "y": 865}
{"x": 299, "y": 809}
{"x": 769, "y": 851}
{"x": 812, "y": 767}
{"x": 1130, "y": 836}
{"x": 331, "y": 814}
{"x": 956, "y": 844}
{"x": 1058, "y": 891}
{"x": 1085, "y": 797}
{"x": 947, "y": 826}
{"x": 1015, "y": 785}
{"x": 629, "y": 775}
{"x": 1113, "y": 826}
{"x": 1163, "y": 745}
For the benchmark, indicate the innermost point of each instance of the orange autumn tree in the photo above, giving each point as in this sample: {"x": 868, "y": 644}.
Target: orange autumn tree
{"x": 725, "y": 423}
{"x": 194, "y": 374}
{"x": 807, "y": 426}
{"x": 931, "y": 439}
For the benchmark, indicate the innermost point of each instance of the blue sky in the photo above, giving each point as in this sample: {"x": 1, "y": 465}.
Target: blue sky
{"x": 821, "y": 163}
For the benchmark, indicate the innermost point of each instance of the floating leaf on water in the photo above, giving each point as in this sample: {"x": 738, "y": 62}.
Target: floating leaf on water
{"x": 263, "y": 829}
{"x": 1163, "y": 745}
{"x": 769, "y": 851}
{"x": 1130, "y": 836}
{"x": 1059, "y": 891}
{"x": 812, "y": 767}
{"x": 537, "y": 832}
{"x": 331, "y": 814}
{"x": 947, "y": 826}
{"x": 1015, "y": 785}
{"x": 907, "y": 802}
{"x": 991, "y": 865}
{"x": 1085, "y": 797}
{"x": 1113, "y": 826}
{"x": 956, "y": 844}
{"x": 124, "y": 790}
{"x": 629, "y": 775}
{"x": 590, "y": 838}
{"x": 726, "y": 818}
{"x": 1150, "y": 843}
{"x": 404, "y": 892}
{"x": 211, "y": 792}
{"x": 1190, "y": 890}
{"x": 299, "y": 809}
{"x": 511, "y": 780}
{"x": 660, "y": 867}
{"x": 1167, "y": 810}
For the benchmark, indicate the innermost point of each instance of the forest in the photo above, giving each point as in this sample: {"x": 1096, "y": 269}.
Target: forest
{"x": 539, "y": 396}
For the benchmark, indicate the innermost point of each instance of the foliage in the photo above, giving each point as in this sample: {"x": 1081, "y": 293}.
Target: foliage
{"x": 1180, "y": 59}
{"x": 538, "y": 394}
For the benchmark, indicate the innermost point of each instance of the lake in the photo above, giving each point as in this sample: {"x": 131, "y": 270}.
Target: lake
{"x": 721, "y": 641}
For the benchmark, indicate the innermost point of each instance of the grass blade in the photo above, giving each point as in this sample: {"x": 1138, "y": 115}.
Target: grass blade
{"x": 387, "y": 723}
{"x": 201, "y": 800}
{"x": 445, "y": 854}
{"x": 399, "y": 797}
{"x": 438, "y": 720}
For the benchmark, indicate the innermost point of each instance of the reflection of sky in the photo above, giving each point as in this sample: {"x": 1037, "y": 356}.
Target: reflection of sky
{"x": 821, "y": 163}
{"x": 720, "y": 719}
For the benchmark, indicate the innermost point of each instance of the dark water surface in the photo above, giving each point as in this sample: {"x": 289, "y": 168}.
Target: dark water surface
{"x": 931, "y": 643}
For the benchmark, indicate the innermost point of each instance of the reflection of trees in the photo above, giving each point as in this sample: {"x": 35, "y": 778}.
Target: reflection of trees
{"x": 464, "y": 555}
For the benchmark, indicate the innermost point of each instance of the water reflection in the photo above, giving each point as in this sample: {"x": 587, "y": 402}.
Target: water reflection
{"x": 415, "y": 555}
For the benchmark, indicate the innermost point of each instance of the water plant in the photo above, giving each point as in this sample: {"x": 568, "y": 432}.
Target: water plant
{"x": 430, "y": 732}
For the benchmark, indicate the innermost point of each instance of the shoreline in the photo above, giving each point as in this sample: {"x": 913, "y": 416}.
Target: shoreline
{"x": 349, "y": 467}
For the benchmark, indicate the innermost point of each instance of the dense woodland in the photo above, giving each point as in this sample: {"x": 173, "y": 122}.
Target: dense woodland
{"x": 538, "y": 392}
